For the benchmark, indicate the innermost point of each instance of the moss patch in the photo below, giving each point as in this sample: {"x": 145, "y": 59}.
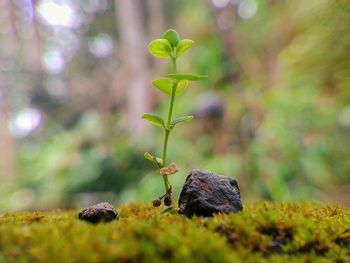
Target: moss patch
{"x": 263, "y": 232}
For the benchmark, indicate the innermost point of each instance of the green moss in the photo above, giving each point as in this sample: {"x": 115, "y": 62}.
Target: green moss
{"x": 264, "y": 232}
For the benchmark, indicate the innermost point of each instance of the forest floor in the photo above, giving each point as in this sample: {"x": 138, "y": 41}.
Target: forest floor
{"x": 263, "y": 232}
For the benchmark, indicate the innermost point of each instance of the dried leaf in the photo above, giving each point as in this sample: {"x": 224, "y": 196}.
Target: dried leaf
{"x": 169, "y": 170}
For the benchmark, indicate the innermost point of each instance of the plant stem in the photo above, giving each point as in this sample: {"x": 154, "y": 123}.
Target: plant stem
{"x": 167, "y": 129}
{"x": 165, "y": 146}
{"x": 173, "y": 61}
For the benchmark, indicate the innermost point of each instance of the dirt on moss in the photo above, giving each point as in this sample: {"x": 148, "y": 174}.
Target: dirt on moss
{"x": 263, "y": 232}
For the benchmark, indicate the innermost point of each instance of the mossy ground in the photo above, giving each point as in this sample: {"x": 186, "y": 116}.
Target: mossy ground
{"x": 263, "y": 232}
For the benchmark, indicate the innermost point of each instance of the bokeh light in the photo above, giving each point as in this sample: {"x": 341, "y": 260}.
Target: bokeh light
{"x": 57, "y": 13}
{"x": 101, "y": 45}
{"x": 247, "y": 9}
{"x": 25, "y": 122}
{"x": 53, "y": 62}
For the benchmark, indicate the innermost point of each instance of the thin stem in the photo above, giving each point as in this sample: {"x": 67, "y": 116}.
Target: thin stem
{"x": 173, "y": 60}
{"x": 165, "y": 146}
{"x": 167, "y": 128}
{"x": 171, "y": 103}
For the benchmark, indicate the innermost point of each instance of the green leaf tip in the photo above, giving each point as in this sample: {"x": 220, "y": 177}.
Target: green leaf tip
{"x": 183, "y": 46}
{"x": 181, "y": 86}
{"x": 154, "y": 119}
{"x": 172, "y": 36}
{"x": 182, "y": 76}
{"x": 181, "y": 119}
{"x": 160, "y": 48}
{"x": 148, "y": 156}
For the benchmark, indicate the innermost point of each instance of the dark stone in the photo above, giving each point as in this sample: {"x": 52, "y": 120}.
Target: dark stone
{"x": 204, "y": 194}
{"x": 102, "y": 212}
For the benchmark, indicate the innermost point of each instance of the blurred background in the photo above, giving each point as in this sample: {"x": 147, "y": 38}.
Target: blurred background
{"x": 75, "y": 78}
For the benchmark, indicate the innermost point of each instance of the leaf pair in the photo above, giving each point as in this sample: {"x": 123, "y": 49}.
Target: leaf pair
{"x": 170, "y": 46}
{"x": 180, "y": 80}
{"x": 157, "y": 120}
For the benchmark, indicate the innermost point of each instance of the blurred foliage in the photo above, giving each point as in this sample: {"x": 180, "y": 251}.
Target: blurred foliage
{"x": 274, "y": 113}
{"x": 263, "y": 232}
{"x": 82, "y": 160}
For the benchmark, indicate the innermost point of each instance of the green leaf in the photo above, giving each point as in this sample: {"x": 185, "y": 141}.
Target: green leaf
{"x": 166, "y": 85}
{"x": 182, "y": 46}
{"x": 172, "y": 36}
{"x": 160, "y": 48}
{"x": 181, "y": 76}
{"x": 163, "y": 84}
{"x": 182, "y": 119}
{"x": 181, "y": 86}
{"x": 153, "y": 159}
{"x": 154, "y": 119}
{"x": 149, "y": 156}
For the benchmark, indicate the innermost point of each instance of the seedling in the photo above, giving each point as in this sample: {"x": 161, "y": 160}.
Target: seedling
{"x": 171, "y": 47}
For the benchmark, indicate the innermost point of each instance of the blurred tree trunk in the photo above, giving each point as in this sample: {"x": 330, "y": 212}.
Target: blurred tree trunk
{"x": 156, "y": 18}
{"x": 135, "y": 78}
{"x": 7, "y": 145}
{"x": 156, "y": 28}
{"x": 34, "y": 44}
{"x": 9, "y": 47}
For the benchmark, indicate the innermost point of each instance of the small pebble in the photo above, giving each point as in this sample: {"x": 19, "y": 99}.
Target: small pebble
{"x": 102, "y": 212}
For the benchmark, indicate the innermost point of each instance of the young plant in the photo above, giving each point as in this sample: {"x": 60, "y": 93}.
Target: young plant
{"x": 171, "y": 47}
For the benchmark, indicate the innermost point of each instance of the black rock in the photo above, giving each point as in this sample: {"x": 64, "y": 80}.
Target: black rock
{"x": 102, "y": 212}
{"x": 204, "y": 194}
